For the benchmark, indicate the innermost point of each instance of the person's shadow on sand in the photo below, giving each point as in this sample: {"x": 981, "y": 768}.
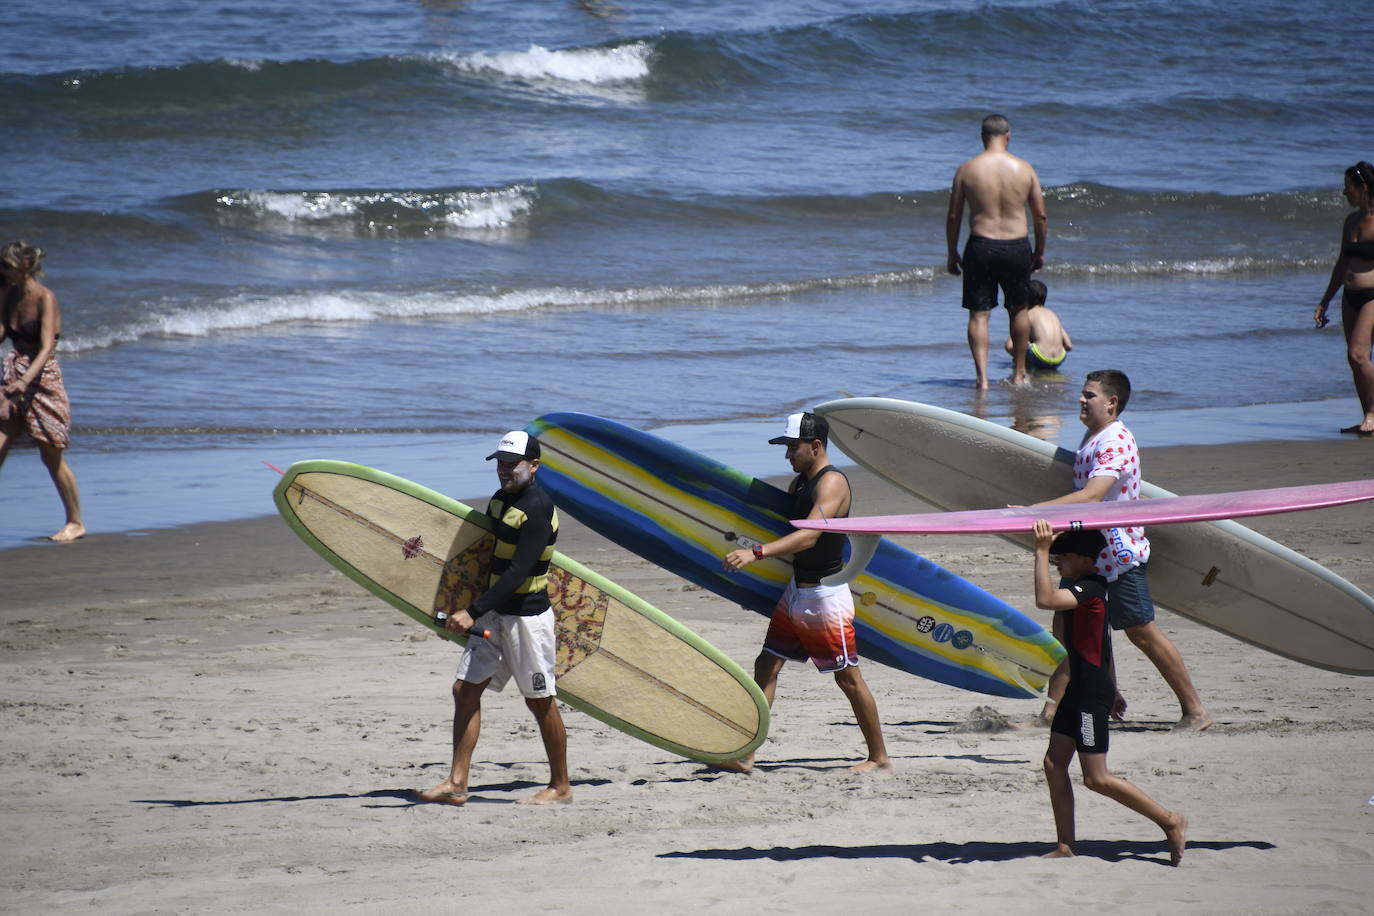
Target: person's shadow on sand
{"x": 1156, "y": 852}
{"x": 405, "y": 796}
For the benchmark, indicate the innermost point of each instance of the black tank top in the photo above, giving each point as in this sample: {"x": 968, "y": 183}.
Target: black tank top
{"x": 826, "y": 556}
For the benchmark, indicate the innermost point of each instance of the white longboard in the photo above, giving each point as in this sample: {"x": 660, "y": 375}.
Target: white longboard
{"x": 1218, "y": 573}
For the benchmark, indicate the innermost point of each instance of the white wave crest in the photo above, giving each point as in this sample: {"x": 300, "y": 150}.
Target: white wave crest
{"x": 593, "y": 66}
{"x": 248, "y": 313}
{"x": 1187, "y": 267}
{"x": 489, "y": 209}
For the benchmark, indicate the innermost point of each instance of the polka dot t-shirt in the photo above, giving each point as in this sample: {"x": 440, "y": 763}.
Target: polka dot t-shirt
{"x": 1113, "y": 453}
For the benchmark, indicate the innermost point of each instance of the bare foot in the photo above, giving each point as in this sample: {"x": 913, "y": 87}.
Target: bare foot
{"x": 71, "y": 531}
{"x": 445, "y": 793}
{"x": 1178, "y": 839}
{"x": 742, "y": 765}
{"x": 1197, "y": 722}
{"x": 872, "y": 766}
{"x": 1061, "y": 851}
{"x": 549, "y": 796}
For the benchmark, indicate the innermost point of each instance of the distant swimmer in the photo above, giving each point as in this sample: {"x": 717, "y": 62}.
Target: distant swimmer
{"x": 997, "y": 187}
{"x": 1353, "y": 273}
{"x": 1049, "y": 342}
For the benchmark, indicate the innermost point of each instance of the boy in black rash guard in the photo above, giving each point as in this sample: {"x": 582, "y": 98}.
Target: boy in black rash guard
{"x": 515, "y": 609}
{"x": 1091, "y": 698}
{"x": 813, "y": 620}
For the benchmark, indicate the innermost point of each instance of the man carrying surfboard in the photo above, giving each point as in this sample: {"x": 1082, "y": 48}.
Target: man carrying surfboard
{"x": 1106, "y": 468}
{"x": 515, "y": 609}
{"x": 812, "y": 620}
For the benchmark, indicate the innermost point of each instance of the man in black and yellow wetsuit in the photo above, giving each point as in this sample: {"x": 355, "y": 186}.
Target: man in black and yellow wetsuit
{"x": 515, "y": 610}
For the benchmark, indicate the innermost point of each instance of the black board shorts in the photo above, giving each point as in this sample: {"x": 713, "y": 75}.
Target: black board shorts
{"x": 992, "y": 263}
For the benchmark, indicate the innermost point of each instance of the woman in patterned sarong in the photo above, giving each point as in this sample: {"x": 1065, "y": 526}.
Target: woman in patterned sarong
{"x": 33, "y": 401}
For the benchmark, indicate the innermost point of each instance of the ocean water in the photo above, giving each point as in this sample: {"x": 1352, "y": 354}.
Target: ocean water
{"x": 389, "y": 230}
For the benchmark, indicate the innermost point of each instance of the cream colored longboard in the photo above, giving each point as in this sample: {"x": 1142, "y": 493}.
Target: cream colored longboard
{"x": 620, "y": 660}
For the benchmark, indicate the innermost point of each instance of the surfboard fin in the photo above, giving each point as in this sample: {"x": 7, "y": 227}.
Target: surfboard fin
{"x": 862, "y": 547}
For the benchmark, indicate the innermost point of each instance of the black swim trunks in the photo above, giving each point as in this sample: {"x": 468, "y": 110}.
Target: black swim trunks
{"x": 990, "y": 263}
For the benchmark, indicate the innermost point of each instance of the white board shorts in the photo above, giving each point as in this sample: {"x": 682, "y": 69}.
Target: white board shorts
{"x": 523, "y": 647}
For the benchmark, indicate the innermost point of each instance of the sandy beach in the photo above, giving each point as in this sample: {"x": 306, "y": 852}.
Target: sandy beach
{"x": 211, "y": 720}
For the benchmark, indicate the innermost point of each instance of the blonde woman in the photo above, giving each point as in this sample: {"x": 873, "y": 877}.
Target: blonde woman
{"x": 33, "y": 401}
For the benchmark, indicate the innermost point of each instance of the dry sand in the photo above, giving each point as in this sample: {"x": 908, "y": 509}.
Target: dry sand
{"x": 210, "y": 720}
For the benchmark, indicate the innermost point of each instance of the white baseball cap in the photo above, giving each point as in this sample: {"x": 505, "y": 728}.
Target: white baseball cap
{"x": 516, "y": 445}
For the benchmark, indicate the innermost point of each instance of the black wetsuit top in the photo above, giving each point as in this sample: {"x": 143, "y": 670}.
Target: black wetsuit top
{"x": 826, "y": 556}
{"x": 526, "y": 528}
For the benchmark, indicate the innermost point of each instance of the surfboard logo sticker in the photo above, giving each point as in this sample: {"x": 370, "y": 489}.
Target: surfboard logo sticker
{"x": 413, "y": 547}
{"x": 962, "y": 640}
{"x": 943, "y": 633}
{"x": 925, "y": 624}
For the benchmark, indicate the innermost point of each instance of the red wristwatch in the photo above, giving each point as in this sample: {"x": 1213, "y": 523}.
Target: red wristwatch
{"x": 758, "y": 551}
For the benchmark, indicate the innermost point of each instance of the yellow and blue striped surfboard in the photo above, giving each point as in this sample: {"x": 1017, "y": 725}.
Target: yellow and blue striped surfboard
{"x": 683, "y": 511}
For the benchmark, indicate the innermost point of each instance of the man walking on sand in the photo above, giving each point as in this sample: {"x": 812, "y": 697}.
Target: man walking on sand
{"x": 515, "y": 610}
{"x": 997, "y": 187}
{"x": 813, "y": 620}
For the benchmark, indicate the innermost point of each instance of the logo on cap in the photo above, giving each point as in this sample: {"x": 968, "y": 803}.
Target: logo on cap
{"x": 515, "y": 446}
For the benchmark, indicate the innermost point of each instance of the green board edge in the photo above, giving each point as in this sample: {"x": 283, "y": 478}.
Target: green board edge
{"x": 468, "y": 514}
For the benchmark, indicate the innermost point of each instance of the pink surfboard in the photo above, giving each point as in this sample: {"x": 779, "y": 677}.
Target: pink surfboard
{"x": 1169, "y": 510}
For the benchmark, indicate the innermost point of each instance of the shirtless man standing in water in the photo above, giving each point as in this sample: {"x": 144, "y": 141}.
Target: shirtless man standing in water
{"x": 997, "y": 187}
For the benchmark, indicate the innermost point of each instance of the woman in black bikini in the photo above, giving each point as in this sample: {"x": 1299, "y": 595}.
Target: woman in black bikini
{"x": 1354, "y": 271}
{"x": 33, "y": 401}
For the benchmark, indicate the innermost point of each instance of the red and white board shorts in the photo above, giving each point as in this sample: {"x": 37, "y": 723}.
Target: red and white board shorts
{"x": 816, "y": 623}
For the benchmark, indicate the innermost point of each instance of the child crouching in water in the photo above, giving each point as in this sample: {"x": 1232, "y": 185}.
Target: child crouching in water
{"x": 1091, "y": 698}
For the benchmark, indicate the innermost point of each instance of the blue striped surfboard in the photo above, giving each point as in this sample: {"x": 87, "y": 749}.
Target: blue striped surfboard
{"x": 683, "y": 511}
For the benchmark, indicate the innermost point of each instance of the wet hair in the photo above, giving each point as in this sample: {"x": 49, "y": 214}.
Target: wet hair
{"x": 1038, "y": 293}
{"x": 20, "y": 255}
{"x": 1113, "y": 382}
{"x": 1361, "y": 173}
{"x": 1086, "y": 542}
{"x": 995, "y": 125}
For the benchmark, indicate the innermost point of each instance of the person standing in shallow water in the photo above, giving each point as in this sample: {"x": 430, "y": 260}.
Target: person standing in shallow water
{"x": 997, "y": 187}
{"x": 33, "y": 400}
{"x": 1353, "y": 273}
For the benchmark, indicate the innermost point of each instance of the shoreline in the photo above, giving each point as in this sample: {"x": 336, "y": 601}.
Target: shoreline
{"x": 211, "y": 719}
